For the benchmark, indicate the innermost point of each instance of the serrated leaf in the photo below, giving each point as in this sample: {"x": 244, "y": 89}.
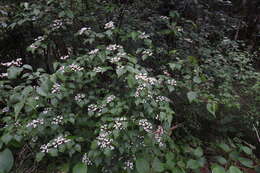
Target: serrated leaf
{"x": 80, "y": 168}
{"x": 142, "y": 165}
{"x": 6, "y": 160}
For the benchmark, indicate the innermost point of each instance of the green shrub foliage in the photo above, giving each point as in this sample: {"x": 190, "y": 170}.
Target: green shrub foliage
{"x": 100, "y": 86}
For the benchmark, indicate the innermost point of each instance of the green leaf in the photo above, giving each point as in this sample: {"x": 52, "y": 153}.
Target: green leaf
{"x": 17, "y": 108}
{"x": 234, "y": 169}
{"x": 212, "y": 108}
{"x": 80, "y": 168}
{"x": 6, "y": 138}
{"x": 198, "y": 152}
{"x": 218, "y": 169}
{"x": 39, "y": 156}
{"x": 27, "y": 67}
{"x": 14, "y": 72}
{"x": 193, "y": 164}
{"x": 157, "y": 165}
{"x": 192, "y": 96}
{"x": 224, "y": 147}
{"x": 246, "y": 162}
{"x": 221, "y": 160}
{"x": 6, "y": 160}
{"x": 247, "y": 150}
{"x": 142, "y": 165}
{"x": 41, "y": 91}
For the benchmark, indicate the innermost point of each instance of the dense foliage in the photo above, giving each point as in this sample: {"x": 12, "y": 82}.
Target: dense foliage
{"x": 129, "y": 86}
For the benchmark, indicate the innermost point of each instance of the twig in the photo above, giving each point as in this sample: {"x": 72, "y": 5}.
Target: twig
{"x": 257, "y": 134}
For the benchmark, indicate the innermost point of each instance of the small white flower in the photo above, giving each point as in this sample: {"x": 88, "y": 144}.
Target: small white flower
{"x": 113, "y": 47}
{"x": 103, "y": 139}
{"x": 55, "y": 88}
{"x": 54, "y": 143}
{"x": 110, "y": 98}
{"x": 5, "y": 109}
{"x": 97, "y": 69}
{"x": 93, "y": 108}
{"x": 110, "y": 25}
{"x": 82, "y": 30}
{"x": 93, "y": 52}
{"x": 2, "y": 75}
{"x": 75, "y": 67}
{"x": 143, "y": 35}
{"x": 162, "y": 99}
{"x": 86, "y": 160}
{"x": 146, "y": 125}
{"x": 164, "y": 17}
{"x": 35, "y": 123}
{"x": 16, "y": 62}
{"x": 64, "y": 57}
{"x": 57, "y": 120}
{"x": 147, "y": 52}
{"x": 171, "y": 82}
{"x": 128, "y": 165}
{"x": 79, "y": 97}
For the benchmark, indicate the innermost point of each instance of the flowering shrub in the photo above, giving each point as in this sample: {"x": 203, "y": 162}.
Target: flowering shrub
{"x": 115, "y": 94}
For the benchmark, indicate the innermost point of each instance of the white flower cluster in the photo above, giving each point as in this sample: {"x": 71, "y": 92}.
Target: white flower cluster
{"x": 55, "y": 88}
{"x": 35, "y": 45}
{"x": 109, "y": 25}
{"x": 35, "y": 123}
{"x": 56, "y": 24}
{"x": 54, "y": 144}
{"x": 115, "y": 59}
{"x": 86, "y": 160}
{"x": 128, "y": 165}
{"x": 139, "y": 89}
{"x": 118, "y": 57}
{"x": 64, "y": 57}
{"x": 143, "y": 35}
{"x": 119, "y": 123}
{"x": 93, "y": 108}
{"x": 113, "y": 47}
{"x": 146, "y": 125}
{"x": 158, "y": 136}
{"x": 75, "y": 67}
{"x": 62, "y": 69}
{"x": 171, "y": 82}
{"x": 16, "y": 62}
{"x": 2, "y": 75}
{"x": 46, "y": 110}
{"x": 164, "y": 17}
{"x": 162, "y": 99}
{"x": 57, "y": 120}
{"x": 97, "y": 69}
{"x": 110, "y": 98}
{"x": 93, "y": 52}
{"x": 79, "y": 97}
{"x": 147, "y": 52}
{"x": 145, "y": 78}
{"x": 5, "y": 109}
{"x": 103, "y": 138}
{"x": 82, "y": 30}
